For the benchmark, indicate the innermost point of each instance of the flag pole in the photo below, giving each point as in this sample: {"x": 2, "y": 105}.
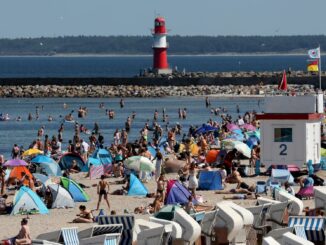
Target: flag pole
{"x": 319, "y": 68}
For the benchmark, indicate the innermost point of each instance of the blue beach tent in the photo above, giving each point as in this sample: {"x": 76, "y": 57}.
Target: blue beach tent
{"x": 210, "y": 180}
{"x": 103, "y": 155}
{"x": 27, "y": 201}
{"x": 65, "y": 161}
{"x": 177, "y": 193}
{"x": 48, "y": 165}
{"x": 136, "y": 187}
{"x": 77, "y": 193}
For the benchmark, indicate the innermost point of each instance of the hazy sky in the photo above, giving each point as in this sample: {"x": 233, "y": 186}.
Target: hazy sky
{"x": 34, "y": 18}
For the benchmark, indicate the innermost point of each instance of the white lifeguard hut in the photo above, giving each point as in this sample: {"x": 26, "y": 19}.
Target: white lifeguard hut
{"x": 291, "y": 129}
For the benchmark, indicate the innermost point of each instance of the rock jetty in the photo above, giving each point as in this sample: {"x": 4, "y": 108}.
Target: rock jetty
{"x": 33, "y": 91}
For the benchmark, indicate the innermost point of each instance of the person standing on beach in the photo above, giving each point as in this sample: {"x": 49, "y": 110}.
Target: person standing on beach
{"x": 101, "y": 191}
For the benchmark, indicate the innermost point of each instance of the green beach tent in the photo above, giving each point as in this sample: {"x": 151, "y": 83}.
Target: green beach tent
{"x": 77, "y": 193}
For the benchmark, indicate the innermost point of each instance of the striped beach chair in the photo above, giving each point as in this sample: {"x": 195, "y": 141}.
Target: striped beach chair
{"x": 314, "y": 226}
{"x": 127, "y": 221}
{"x": 69, "y": 236}
{"x": 299, "y": 230}
{"x": 112, "y": 239}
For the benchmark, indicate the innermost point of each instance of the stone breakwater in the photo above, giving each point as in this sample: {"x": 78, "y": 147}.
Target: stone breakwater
{"x": 34, "y": 91}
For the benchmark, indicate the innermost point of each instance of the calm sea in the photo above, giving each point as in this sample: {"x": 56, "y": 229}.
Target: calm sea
{"x": 24, "y": 132}
{"x": 128, "y": 66}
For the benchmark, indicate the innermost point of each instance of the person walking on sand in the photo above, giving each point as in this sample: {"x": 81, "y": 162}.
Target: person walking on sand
{"x": 101, "y": 191}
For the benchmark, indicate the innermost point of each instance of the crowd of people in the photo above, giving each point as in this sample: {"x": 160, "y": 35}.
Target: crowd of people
{"x": 169, "y": 140}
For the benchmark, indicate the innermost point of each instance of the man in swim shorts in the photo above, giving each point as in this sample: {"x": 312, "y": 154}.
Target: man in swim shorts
{"x": 101, "y": 191}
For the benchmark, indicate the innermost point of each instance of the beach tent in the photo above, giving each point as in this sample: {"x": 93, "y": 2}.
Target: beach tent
{"x": 103, "y": 155}
{"x": 48, "y": 165}
{"x": 136, "y": 187}
{"x": 60, "y": 197}
{"x": 27, "y": 201}
{"x": 177, "y": 193}
{"x": 152, "y": 150}
{"x": 65, "y": 161}
{"x": 98, "y": 158}
{"x": 210, "y": 180}
{"x": 41, "y": 177}
{"x": 77, "y": 193}
{"x": 16, "y": 174}
{"x": 281, "y": 176}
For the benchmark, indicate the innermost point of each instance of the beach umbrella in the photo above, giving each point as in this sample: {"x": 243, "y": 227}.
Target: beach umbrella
{"x": 139, "y": 163}
{"x": 251, "y": 141}
{"x": 249, "y": 127}
{"x": 30, "y": 152}
{"x": 15, "y": 163}
{"x": 240, "y": 146}
{"x": 243, "y": 148}
{"x": 205, "y": 128}
{"x": 232, "y": 126}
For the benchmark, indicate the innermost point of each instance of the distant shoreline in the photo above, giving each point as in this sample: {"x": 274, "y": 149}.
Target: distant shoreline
{"x": 171, "y": 55}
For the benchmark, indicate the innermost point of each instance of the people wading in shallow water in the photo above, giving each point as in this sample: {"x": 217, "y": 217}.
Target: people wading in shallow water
{"x": 122, "y": 103}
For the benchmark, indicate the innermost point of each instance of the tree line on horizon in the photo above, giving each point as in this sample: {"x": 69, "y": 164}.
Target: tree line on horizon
{"x": 134, "y": 45}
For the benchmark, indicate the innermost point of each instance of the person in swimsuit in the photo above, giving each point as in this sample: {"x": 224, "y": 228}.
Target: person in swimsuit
{"x": 101, "y": 191}
{"x": 24, "y": 235}
{"x": 85, "y": 216}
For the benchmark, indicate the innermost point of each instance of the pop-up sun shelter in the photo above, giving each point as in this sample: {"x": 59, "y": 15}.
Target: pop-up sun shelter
{"x": 103, "y": 155}
{"x": 60, "y": 197}
{"x": 100, "y": 157}
{"x": 48, "y": 165}
{"x": 16, "y": 174}
{"x": 77, "y": 193}
{"x": 136, "y": 187}
{"x": 27, "y": 201}
{"x": 210, "y": 180}
{"x": 65, "y": 161}
{"x": 177, "y": 193}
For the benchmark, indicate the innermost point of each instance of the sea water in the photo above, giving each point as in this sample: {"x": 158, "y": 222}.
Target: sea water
{"x": 24, "y": 132}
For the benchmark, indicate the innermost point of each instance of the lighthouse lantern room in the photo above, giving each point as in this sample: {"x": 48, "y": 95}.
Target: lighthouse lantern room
{"x": 160, "y": 46}
{"x": 290, "y": 130}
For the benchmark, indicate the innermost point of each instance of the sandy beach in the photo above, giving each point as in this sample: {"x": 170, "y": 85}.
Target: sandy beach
{"x": 59, "y": 218}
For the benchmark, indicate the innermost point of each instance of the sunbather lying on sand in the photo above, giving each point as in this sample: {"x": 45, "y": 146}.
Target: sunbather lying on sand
{"x": 236, "y": 191}
{"x": 241, "y": 196}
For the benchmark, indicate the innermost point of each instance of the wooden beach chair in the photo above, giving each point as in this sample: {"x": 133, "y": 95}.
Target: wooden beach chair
{"x": 97, "y": 233}
{"x": 314, "y": 226}
{"x": 69, "y": 236}
{"x": 127, "y": 221}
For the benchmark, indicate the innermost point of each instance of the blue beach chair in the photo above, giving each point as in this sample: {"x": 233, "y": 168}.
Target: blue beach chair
{"x": 314, "y": 226}
{"x": 261, "y": 187}
{"x": 69, "y": 236}
{"x": 127, "y": 221}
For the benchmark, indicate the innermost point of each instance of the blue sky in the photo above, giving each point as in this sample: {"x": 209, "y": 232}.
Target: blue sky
{"x": 34, "y": 18}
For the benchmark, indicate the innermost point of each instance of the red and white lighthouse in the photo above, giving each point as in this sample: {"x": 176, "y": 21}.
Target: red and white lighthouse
{"x": 160, "y": 46}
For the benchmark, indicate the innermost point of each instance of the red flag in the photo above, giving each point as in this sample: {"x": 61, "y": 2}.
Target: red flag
{"x": 283, "y": 85}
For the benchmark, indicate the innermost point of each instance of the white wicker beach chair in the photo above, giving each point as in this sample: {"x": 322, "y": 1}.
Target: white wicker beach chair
{"x": 291, "y": 239}
{"x": 270, "y": 241}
